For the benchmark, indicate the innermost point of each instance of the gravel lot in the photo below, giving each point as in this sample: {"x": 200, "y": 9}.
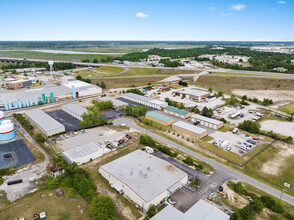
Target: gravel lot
{"x": 93, "y": 135}
{"x": 281, "y": 127}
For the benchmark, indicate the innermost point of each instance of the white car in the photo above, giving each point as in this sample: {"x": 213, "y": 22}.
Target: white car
{"x": 123, "y": 125}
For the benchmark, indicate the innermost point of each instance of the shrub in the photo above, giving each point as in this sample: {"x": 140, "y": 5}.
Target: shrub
{"x": 40, "y": 138}
{"x": 189, "y": 161}
{"x": 102, "y": 208}
{"x": 152, "y": 211}
{"x": 250, "y": 126}
{"x": 53, "y": 182}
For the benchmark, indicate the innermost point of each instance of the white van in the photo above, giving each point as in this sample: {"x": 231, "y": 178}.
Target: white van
{"x": 149, "y": 150}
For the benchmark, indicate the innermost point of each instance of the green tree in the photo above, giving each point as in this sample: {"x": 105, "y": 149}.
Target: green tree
{"x": 152, "y": 211}
{"x": 207, "y": 112}
{"x": 250, "y": 126}
{"x": 40, "y": 138}
{"x": 95, "y": 61}
{"x": 210, "y": 90}
{"x": 92, "y": 118}
{"x": 101, "y": 208}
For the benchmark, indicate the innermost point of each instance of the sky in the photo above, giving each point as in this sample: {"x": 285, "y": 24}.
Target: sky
{"x": 164, "y": 20}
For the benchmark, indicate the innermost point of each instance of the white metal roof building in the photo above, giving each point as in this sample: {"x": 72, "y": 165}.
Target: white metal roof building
{"x": 144, "y": 178}
{"x": 83, "y": 154}
{"x": 202, "y": 210}
{"x": 74, "y": 110}
{"x": 194, "y": 94}
{"x": 189, "y": 129}
{"x": 208, "y": 122}
{"x": 153, "y": 103}
{"x": 117, "y": 104}
{"x": 45, "y": 123}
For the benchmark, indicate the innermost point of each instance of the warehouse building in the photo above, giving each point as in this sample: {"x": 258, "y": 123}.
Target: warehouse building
{"x": 193, "y": 94}
{"x": 202, "y": 210}
{"x": 74, "y": 110}
{"x": 18, "y": 84}
{"x": 117, "y": 104}
{"x": 153, "y": 103}
{"x": 189, "y": 129}
{"x": 160, "y": 119}
{"x": 177, "y": 112}
{"x": 45, "y": 123}
{"x": 83, "y": 154}
{"x": 144, "y": 178}
{"x": 208, "y": 122}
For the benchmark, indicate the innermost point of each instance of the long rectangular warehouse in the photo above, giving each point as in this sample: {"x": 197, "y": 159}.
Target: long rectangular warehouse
{"x": 160, "y": 119}
{"x": 189, "y": 129}
{"x": 153, "y": 103}
{"x": 45, "y": 123}
{"x": 117, "y": 104}
{"x": 177, "y": 112}
{"x": 208, "y": 122}
{"x": 74, "y": 110}
{"x": 144, "y": 178}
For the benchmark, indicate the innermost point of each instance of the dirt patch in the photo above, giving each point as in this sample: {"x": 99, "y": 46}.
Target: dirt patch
{"x": 275, "y": 95}
{"x": 233, "y": 198}
{"x": 281, "y": 127}
{"x": 279, "y": 161}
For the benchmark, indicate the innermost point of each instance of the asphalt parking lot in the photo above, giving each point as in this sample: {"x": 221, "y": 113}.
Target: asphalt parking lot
{"x": 70, "y": 123}
{"x": 112, "y": 114}
{"x": 21, "y": 154}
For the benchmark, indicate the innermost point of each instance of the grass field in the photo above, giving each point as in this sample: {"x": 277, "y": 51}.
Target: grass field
{"x": 128, "y": 82}
{"x": 253, "y": 169}
{"x": 226, "y": 84}
{"x": 49, "y": 56}
{"x": 234, "y": 74}
{"x": 288, "y": 108}
{"x": 56, "y": 208}
{"x": 99, "y": 72}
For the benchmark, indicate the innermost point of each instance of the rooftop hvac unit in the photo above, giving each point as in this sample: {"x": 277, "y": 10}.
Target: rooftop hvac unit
{"x": 145, "y": 175}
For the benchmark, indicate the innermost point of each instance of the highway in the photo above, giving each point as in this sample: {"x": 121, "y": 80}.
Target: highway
{"x": 224, "y": 171}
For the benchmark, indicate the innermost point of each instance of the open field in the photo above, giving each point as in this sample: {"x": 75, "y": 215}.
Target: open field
{"x": 56, "y": 208}
{"x": 101, "y": 71}
{"x": 234, "y": 74}
{"x": 128, "y": 82}
{"x": 49, "y": 56}
{"x": 282, "y": 127}
{"x": 273, "y": 164}
{"x": 288, "y": 108}
{"x": 229, "y": 83}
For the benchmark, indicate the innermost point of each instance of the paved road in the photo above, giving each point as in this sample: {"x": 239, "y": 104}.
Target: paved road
{"x": 227, "y": 172}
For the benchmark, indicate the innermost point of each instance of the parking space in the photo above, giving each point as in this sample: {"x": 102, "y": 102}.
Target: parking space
{"x": 97, "y": 135}
{"x": 15, "y": 153}
{"x": 232, "y": 142}
{"x": 112, "y": 114}
{"x": 70, "y": 123}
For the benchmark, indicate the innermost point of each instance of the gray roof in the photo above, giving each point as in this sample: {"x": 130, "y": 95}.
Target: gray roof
{"x": 115, "y": 102}
{"x": 209, "y": 120}
{"x": 190, "y": 127}
{"x": 140, "y": 97}
{"x": 45, "y": 121}
{"x": 26, "y": 94}
{"x": 160, "y": 177}
{"x": 75, "y": 108}
{"x": 202, "y": 210}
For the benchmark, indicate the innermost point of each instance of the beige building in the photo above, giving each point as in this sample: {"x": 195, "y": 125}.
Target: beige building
{"x": 208, "y": 122}
{"x": 189, "y": 129}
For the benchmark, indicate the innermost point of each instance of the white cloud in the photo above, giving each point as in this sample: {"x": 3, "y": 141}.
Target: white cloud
{"x": 282, "y": 2}
{"x": 238, "y": 7}
{"x": 141, "y": 15}
{"x": 212, "y": 8}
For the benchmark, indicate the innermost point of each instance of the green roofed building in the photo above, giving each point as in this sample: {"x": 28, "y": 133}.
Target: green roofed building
{"x": 158, "y": 118}
{"x": 177, "y": 112}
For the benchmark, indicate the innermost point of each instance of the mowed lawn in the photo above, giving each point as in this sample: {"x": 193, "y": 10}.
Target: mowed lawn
{"x": 100, "y": 72}
{"x": 288, "y": 108}
{"x": 56, "y": 208}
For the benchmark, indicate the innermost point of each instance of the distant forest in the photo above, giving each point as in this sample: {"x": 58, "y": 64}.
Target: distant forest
{"x": 89, "y": 44}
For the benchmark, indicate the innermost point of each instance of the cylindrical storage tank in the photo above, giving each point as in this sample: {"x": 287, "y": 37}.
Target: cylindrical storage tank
{"x": 10, "y": 105}
{"x": 15, "y": 104}
{"x": 5, "y": 121}
{"x": 51, "y": 97}
{"x": 19, "y": 104}
{"x": 2, "y": 116}
{"x": 7, "y": 132}
{"x": 44, "y": 98}
{"x": 35, "y": 100}
{"x": 28, "y": 103}
{"x": 24, "y": 104}
{"x": 6, "y": 106}
{"x": 31, "y": 102}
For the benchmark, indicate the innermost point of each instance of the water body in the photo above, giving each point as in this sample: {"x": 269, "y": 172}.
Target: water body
{"x": 75, "y": 52}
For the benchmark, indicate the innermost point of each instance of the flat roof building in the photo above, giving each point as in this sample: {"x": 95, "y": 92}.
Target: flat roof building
{"x": 45, "y": 123}
{"x": 117, "y": 104}
{"x": 177, "y": 112}
{"x": 74, "y": 110}
{"x": 83, "y": 154}
{"x": 22, "y": 83}
{"x": 202, "y": 210}
{"x": 194, "y": 94}
{"x": 160, "y": 119}
{"x": 144, "y": 178}
{"x": 208, "y": 122}
{"x": 189, "y": 129}
{"x": 153, "y": 103}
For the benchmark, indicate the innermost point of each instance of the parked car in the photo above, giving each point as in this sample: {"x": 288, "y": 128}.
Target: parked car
{"x": 62, "y": 137}
{"x": 251, "y": 141}
{"x": 75, "y": 133}
{"x": 66, "y": 136}
{"x": 71, "y": 134}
